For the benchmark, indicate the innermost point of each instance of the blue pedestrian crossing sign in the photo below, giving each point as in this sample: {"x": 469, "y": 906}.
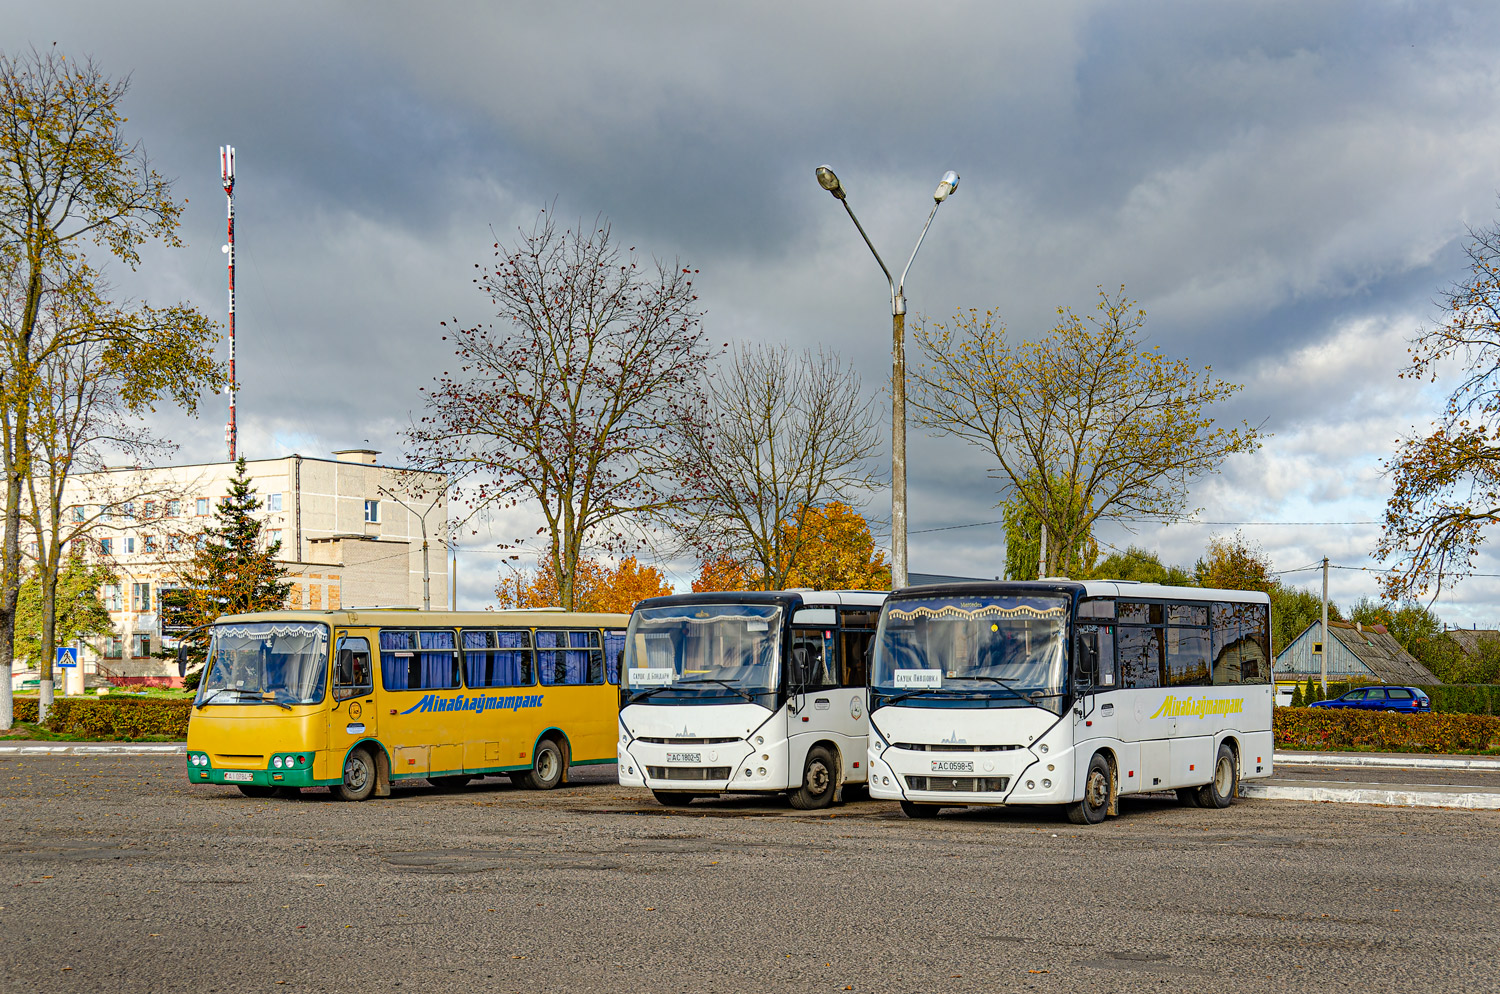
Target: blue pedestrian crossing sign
{"x": 67, "y": 656}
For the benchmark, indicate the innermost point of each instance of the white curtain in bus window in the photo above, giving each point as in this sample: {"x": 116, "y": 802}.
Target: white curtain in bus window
{"x": 425, "y": 660}
{"x": 614, "y": 648}
{"x": 498, "y": 658}
{"x": 569, "y": 659}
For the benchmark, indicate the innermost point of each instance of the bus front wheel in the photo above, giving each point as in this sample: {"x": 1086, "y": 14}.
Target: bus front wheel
{"x": 1098, "y": 783}
{"x": 359, "y": 777}
{"x": 1219, "y": 792}
{"x": 546, "y": 767}
{"x": 820, "y": 781}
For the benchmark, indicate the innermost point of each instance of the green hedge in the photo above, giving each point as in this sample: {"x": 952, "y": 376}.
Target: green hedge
{"x": 1348, "y": 729}
{"x": 111, "y": 717}
{"x": 1465, "y": 698}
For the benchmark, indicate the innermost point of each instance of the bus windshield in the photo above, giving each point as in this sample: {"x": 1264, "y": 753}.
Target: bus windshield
{"x": 703, "y": 650}
{"x": 266, "y": 663}
{"x": 1008, "y": 650}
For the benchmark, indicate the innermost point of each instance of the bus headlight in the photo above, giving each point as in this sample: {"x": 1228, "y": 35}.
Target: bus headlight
{"x": 1046, "y": 784}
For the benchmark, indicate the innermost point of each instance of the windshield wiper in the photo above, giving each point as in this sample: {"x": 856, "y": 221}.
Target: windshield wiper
{"x": 723, "y": 683}
{"x": 912, "y": 693}
{"x": 271, "y": 699}
{"x": 994, "y": 679}
{"x": 216, "y": 693}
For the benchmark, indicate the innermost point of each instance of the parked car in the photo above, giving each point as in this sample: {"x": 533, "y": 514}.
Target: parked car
{"x": 1406, "y": 699}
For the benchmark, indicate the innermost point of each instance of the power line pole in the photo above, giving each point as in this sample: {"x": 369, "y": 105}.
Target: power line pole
{"x": 226, "y": 171}
{"x": 1325, "y": 626}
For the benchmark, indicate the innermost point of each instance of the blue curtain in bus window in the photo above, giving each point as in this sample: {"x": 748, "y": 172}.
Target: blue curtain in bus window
{"x": 576, "y": 658}
{"x": 396, "y": 652}
{"x": 498, "y": 658}
{"x": 614, "y": 648}
{"x": 439, "y": 660}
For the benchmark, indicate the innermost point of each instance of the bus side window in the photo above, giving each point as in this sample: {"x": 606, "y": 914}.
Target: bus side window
{"x": 855, "y": 652}
{"x": 352, "y": 673}
{"x": 1094, "y": 664}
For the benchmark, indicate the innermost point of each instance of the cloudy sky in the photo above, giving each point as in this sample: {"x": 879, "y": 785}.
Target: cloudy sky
{"x": 1283, "y": 186}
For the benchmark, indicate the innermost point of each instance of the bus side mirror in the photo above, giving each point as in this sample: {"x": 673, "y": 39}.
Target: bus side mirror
{"x": 182, "y": 660}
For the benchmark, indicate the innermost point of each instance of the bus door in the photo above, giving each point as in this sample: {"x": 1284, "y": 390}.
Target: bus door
{"x": 823, "y": 707}
{"x": 353, "y": 714}
{"x": 1093, "y": 683}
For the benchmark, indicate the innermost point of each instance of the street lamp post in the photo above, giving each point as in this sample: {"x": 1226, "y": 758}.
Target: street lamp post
{"x": 426, "y": 571}
{"x": 830, "y": 182}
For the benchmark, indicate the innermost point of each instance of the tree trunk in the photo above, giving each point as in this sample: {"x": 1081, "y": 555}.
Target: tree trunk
{"x": 10, "y": 589}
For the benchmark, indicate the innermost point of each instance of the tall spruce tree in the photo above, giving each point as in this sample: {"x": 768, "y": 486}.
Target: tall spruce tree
{"x": 232, "y": 572}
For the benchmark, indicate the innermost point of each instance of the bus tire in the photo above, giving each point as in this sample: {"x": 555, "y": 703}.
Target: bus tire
{"x": 1187, "y": 795}
{"x": 1098, "y": 785}
{"x": 820, "y": 781}
{"x": 452, "y": 782}
{"x": 547, "y": 766}
{"x": 672, "y": 798}
{"x": 912, "y": 810}
{"x": 359, "y": 776}
{"x": 1219, "y": 792}
{"x": 256, "y": 790}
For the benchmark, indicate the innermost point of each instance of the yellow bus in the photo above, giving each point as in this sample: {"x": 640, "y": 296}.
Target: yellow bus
{"x": 354, "y": 699}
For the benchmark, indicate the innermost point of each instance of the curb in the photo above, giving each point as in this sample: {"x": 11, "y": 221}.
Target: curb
{"x": 95, "y": 749}
{"x": 1469, "y": 800}
{"x": 1414, "y": 761}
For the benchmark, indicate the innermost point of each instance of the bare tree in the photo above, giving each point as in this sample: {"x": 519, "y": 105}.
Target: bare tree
{"x": 1086, "y": 423}
{"x": 784, "y": 434}
{"x": 572, "y": 405}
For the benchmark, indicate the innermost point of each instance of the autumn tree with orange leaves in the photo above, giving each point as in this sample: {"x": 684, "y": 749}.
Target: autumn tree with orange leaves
{"x": 596, "y": 587}
{"x": 1446, "y": 483}
{"x": 834, "y": 551}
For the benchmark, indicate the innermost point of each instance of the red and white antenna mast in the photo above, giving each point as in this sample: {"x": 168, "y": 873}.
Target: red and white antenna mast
{"x": 226, "y": 170}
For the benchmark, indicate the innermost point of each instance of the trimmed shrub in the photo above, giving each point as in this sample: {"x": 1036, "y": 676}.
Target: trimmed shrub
{"x": 1474, "y": 698}
{"x": 111, "y": 717}
{"x": 1297, "y": 698}
{"x": 1348, "y": 729}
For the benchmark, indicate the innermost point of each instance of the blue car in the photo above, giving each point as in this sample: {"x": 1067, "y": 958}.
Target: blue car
{"x": 1410, "y": 700}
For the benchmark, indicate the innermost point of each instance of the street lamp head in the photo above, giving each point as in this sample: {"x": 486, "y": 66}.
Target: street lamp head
{"x": 830, "y": 182}
{"x": 946, "y": 187}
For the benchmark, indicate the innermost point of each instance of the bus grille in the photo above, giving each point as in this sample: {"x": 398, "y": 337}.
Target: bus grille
{"x": 945, "y": 747}
{"x": 688, "y": 772}
{"x": 963, "y": 785}
{"x": 684, "y": 742}
{"x": 250, "y": 762}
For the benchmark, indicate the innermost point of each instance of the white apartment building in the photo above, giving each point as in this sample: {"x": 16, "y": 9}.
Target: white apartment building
{"x": 350, "y": 531}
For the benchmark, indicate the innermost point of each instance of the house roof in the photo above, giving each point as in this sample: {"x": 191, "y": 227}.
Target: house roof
{"x": 1378, "y": 650}
{"x": 1468, "y": 639}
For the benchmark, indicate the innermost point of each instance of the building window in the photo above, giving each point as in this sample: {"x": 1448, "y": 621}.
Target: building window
{"x": 174, "y": 508}
{"x": 148, "y": 543}
{"x": 273, "y": 502}
{"x": 140, "y": 596}
{"x": 174, "y": 544}
{"x": 149, "y": 511}
{"x": 315, "y": 596}
{"x": 274, "y": 536}
{"x": 106, "y": 547}
{"x": 106, "y": 514}
{"x": 202, "y": 507}
{"x": 140, "y": 645}
{"x": 372, "y": 512}
{"x": 112, "y": 601}
{"x": 114, "y": 647}
{"x": 128, "y": 510}
{"x": 78, "y": 513}
{"x": 130, "y": 544}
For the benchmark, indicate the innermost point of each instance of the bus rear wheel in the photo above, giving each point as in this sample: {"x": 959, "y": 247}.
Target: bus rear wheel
{"x": 359, "y": 777}
{"x": 820, "y": 781}
{"x": 673, "y": 799}
{"x": 919, "y": 810}
{"x": 1219, "y": 792}
{"x": 547, "y": 767}
{"x": 1098, "y": 784}
{"x": 256, "y": 790}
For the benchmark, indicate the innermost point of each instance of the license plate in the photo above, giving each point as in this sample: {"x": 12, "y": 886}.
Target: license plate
{"x": 952, "y": 766}
{"x": 684, "y": 757}
{"x": 237, "y": 775}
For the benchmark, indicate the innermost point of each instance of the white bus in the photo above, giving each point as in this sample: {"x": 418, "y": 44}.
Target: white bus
{"x": 1069, "y": 693}
{"x": 747, "y": 693}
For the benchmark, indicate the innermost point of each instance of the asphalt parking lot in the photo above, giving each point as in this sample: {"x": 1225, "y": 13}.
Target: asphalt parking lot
{"x": 117, "y": 875}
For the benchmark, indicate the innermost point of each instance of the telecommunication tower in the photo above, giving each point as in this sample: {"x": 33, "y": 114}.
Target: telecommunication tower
{"x": 226, "y": 170}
